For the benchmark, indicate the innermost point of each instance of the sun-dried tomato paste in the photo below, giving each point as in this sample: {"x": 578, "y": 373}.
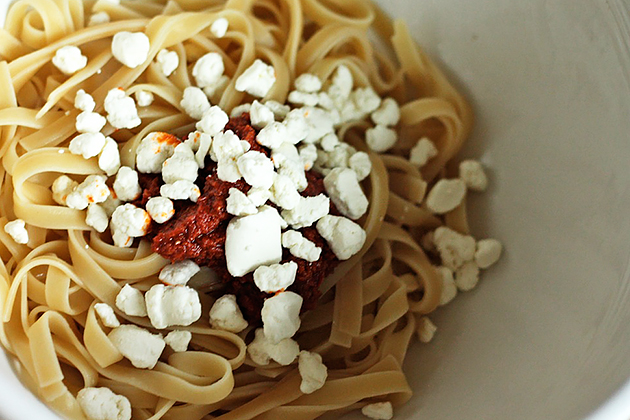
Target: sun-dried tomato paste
{"x": 197, "y": 232}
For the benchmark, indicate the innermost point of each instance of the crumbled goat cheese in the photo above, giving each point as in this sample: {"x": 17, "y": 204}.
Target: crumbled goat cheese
{"x": 454, "y": 248}
{"x": 319, "y": 123}
{"x": 142, "y": 348}
{"x": 90, "y": 122}
{"x": 280, "y": 111}
{"x": 297, "y": 126}
{"x": 276, "y": 277}
{"x": 227, "y": 146}
{"x": 366, "y": 100}
{"x": 160, "y": 209}
{"x": 262, "y": 349}
{"x": 96, "y": 217}
{"x": 473, "y": 175}
{"x": 178, "y": 340}
{"x": 109, "y": 158}
{"x": 126, "y": 186}
{"x": 341, "y": 83}
{"x": 153, "y": 150}
{"x": 131, "y": 49}
{"x": 92, "y": 190}
{"x": 62, "y": 187}
{"x": 467, "y": 276}
{"x": 259, "y": 196}
{"x": 252, "y": 241}
{"x": 308, "y": 154}
{"x": 449, "y": 288}
{"x": 446, "y": 195}
{"x": 181, "y": 190}
{"x": 422, "y": 152}
{"x": 107, "y": 315}
{"x": 84, "y": 101}
{"x": 260, "y": 115}
{"x": 312, "y": 370}
{"x": 238, "y": 204}
{"x": 69, "y": 59}
{"x": 344, "y": 236}
{"x": 87, "y": 144}
{"x": 121, "y": 109}
{"x": 219, "y": 27}
{"x": 388, "y": 114}
{"x": 103, "y": 404}
{"x": 281, "y": 316}
{"x": 329, "y": 142}
{"x": 202, "y": 143}
{"x": 144, "y": 98}
{"x": 240, "y": 110}
{"x": 181, "y": 166}
{"x": 299, "y": 246}
{"x": 301, "y": 98}
{"x": 257, "y": 169}
{"x": 172, "y": 305}
{"x": 129, "y": 221}
{"x": 488, "y": 252}
{"x": 285, "y": 195}
{"x": 345, "y": 192}
{"x": 308, "y": 211}
{"x": 213, "y": 121}
{"x": 308, "y": 83}
{"x": 194, "y": 102}
{"x": 17, "y": 230}
{"x": 361, "y": 164}
{"x": 227, "y": 171}
{"x": 257, "y": 80}
{"x": 167, "y": 61}
{"x": 208, "y": 69}
{"x": 131, "y": 301}
{"x": 378, "y": 411}
{"x": 380, "y": 138}
{"x": 179, "y": 273}
{"x": 273, "y": 135}
{"x": 226, "y": 315}
{"x": 98, "y": 19}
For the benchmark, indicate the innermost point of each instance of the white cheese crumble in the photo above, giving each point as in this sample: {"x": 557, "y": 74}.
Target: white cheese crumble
{"x": 257, "y": 169}
{"x": 131, "y": 301}
{"x": 69, "y": 59}
{"x": 129, "y": 221}
{"x": 227, "y": 146}
{"x": 144, "y": 98}
{"x": 345, "y": 192}
{"x": 96, "y": 217}
{"x": 178, "y": 340}
{"x": 308, "y": 83}
{"x": 121, "y": 109}
{"x": 172, "y": 305}
{"x": 90, "y": 122}
{"x": 237, "y": 111}
{"x": 109, "y": 158}
{"x": 160, "y": 209}
{"x": 219, "y": 27}
{"x": 388, "y": 114}
{"x": 238, "y": 204}
{"x": 345, "y": 237}
{"x": 261, "y": 350}
{"x": 454, "y": 248}
{"x": 201, "y": 145}
{"x": 361, "y": 164}
{"x": 281, "y": 316}
{"x": 422, "y": 152}
{"x": 260, "y": 115}
{"x": 318, "y": 121}
{"x": 179, "y": 273}
{"x": 273, "y": 135}
{"x": 142, "y": 348}
{"x": 17, "y": 231}
{"x": 252, "y": 241}
{"x": 208, "y": 69}
{"x": 308, "y": 211}
{"x": 131, "y": 49}
{"x": 488, "y": 252}
{"x": 299, "y": 246}
{"x": 195, "y": 102}
{"x": 226, "y": 315}
{"x": 107, "y": 315}
{"x": 103, "y": 404}
{"x": 378, "y": 411}
{"x": 181, "y": 190}
{"x": 280, "y": 111}
{"x": 213, "y": 121}
{"x": 167, "y": 61}
{"x": 153, "y": 150}
{"x": 425, "y": 329}
{"x": 302, "y": 98}
{"x": 87, "y": 145}
{"x": 84, "y": 101}
{"x": 62, "y": 187}
{"x": 92, "y": 190}
{"x": 257, "y": 80}
{"x": 473, "y": 175}
{"x": 276, "y": 277}
{"x": 446, "y": 195}
{"x": 182, "y": 165}
{"x": 380, "y": 138}
{"x": 312, "y": 370}
{"x": 126, "y": 185}
{"x": 285, "y": 194}
{"x": 308, "y": 154}
{"x": 467, "y": 276}
{"x": 259, "y": 196}
{"x": 449, "y": 288}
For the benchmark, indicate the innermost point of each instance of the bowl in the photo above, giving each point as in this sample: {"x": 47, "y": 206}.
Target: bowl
{"x": 545, "y": 334}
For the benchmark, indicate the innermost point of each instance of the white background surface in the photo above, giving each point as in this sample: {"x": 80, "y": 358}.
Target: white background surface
{"x": 547, "y": 333}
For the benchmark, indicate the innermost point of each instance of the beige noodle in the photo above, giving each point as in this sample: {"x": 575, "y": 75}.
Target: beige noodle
{"x": 367, "y": 316}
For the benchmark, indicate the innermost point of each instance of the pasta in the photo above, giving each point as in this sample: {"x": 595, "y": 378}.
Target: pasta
{"x": 371, "y": 306}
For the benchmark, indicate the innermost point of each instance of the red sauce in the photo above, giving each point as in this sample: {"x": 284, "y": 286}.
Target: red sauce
{"x": 197, "y": 232}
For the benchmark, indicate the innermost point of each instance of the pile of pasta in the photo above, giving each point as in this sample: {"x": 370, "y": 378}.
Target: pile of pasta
{"x": 371, "y": 305}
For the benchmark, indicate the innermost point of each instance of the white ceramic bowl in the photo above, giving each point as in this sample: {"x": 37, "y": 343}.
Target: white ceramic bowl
{"x": 546, "y": 334}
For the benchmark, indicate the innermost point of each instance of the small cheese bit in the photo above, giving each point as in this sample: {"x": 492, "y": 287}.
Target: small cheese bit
{"x": 312, "y": 370}
{"x": 281, "y": 316}
{"x": 257, "y": 80}
{"x": 17, "y": 231}
{"x": 107, "y": 315}
{"x": 261, "y": 350}
{"x": 167, "y": 61}
{"x": 378, "y": 411}
{"x": 131, "y": 49}
{"x": 179, "y": 273}
{"x": 226, "y": 315}
{"x": 131, "y": 301}
{"x": 208, "y": 70}
{"x": 142, "y": 348}
{"x": 426, "y": 329}
{"x": 103, "y": 404}
{"x": 121, "y": 109}
{"x": 178, "y": 340}
{"x": 172, "y": 305}
{"x": 446, "y": 195}
{"x": 69, "y": 59}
